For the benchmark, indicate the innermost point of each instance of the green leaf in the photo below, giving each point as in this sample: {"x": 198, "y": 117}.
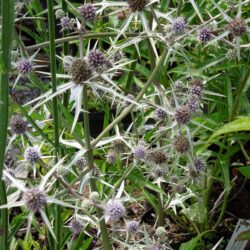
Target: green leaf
{"x": 224, "y": 165}
{"x": 244, "y": 235}
{"x": 193, "y": 243}
{"x": 245, "y": 171}
{"x": 241, "y": 124}
{"x": 137, "y": 178}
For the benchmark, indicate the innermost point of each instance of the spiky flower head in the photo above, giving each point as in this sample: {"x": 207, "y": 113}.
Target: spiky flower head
{"x": 114, "y": 209}
{"x": 76, "y": 226}
{"x": 80, "y": 71}
{"x": 193, "y": 104}
{"x": 237, "y": 27}
{"x": 34, "y": 199}
{"x": 111, "y": 157}
{"x": 18, "y": 125}
{"x": 31, "y": 154}
{"x": 182, "y": 115}
{"x": 137, "y": 5}
{"x": 196, "y": 91}
{"x": 160, "y": 231}
{"x": 161, "y": 114}
{"x": 132, "y": 226}
{"x": 200, "y": 164}
{"x": 24, "y": 66}
{"x": 81, "y": 163}
{"x": 158, "y": 171}
{"x": 178, "y": 25}
{"x": 59, "y": 14}
{"x": 181, "y": 144}
{"x": 205, "y": 35}
{"x": 158, "y": 157}
{"x": 97, "y": 60}
{"x": 88, "y": 12}
{"x": 140, "y": 152}
{"x": 67, "y": 23}
{"x": 118, "y": 146}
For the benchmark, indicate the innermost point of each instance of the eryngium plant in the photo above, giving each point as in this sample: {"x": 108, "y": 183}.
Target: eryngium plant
{"x": 151, "y": 82}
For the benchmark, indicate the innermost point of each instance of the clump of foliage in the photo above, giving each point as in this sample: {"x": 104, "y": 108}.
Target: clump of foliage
{"x": 115, "y": 111}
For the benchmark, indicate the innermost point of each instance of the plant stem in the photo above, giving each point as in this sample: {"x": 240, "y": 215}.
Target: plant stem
{"x": 75, "y": 38}
{"x": 106, "y": 242}
{"x": 65, "y": 52}
{"x": 127, "y": 110}
{"x": 7, "y": 14}
{"x": 58, "y": 220}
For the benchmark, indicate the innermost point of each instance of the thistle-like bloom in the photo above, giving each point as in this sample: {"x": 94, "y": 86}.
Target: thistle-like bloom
{"x": 80, "y": 71}
{"x": 140, "y": 152}
{"x": 18, "y": 125}
{"x": 81, "y": 163}
{"x": 205, "y": 35}
{"x": 32, "y": 155}
{"x": 132, "y": 226}
{"x": 181, "y": 144}
{"x": 111, "y": 157}
{"x": 137, "y": 5}
{"x": 67, "y": 23}
{"x": 199, "y": 164}
{"x": 158, "y": 157}
{"x": 158, "y": 172}
{"x": 161, "y": 114}
{"x": 24, "y": 66}
{"x": 88, "y": 12}
{"x": 59, "y": 14}
{"x": 178, "y": 25}
{"x": 160, "y": 231}
{"x": 182, "y": 115}
{"x": 193, "y": 104}
{"x": 98, "y": 61}
{"x": 76, "y": 226}
{"x": 114, "y": 209}
{"x": 35, "y": 199}
{"x": 237, "y": 27}
{"x": 119, "y": 146}
{"x": 196, "y": 91}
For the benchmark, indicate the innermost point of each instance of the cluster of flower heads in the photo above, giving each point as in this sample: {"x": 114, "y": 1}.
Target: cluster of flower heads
{"x": 81, "y": 69}
{"x": 237, "y": 27}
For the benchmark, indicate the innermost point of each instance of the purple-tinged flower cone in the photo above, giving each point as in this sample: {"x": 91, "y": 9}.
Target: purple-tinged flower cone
{"x": 34, "y": 199}
{"x": 88, "y": 12}
{"x": 115, "y": 210}
{"x": 205, "y": 35}
{"x": 181, "y": 144}
{"x": 18, "y": 125}
{"x": 24, "y": 66}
